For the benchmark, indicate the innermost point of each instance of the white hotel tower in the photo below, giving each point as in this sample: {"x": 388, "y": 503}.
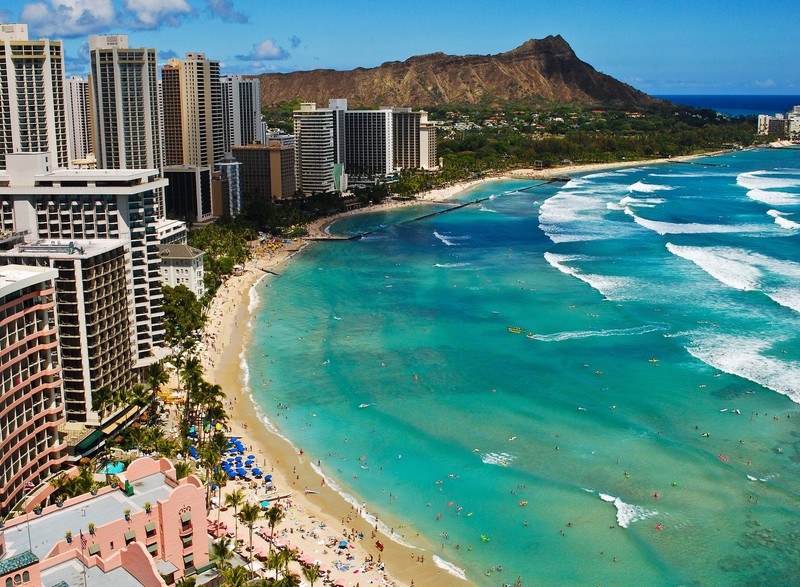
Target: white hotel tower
{"x": 95, "y": 204}
{"x": 33, "y": 115}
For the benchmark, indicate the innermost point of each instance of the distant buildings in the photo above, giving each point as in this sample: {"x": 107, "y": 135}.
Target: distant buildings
{"x": 230, "y": 179}
{"x": 366, "y": 145}
{"x": 414, "y": 139}
{"x": 124, "y": 89}
{"x": 314, "y": 149}
{"x": 33, "y": 113}
{"x": 192, "y": 108}
{"x": 79, "y": 118}
{"x": 30, "y": 382}
{"x": 241, "y": 111}
{"x": 188, "y": 193}
{"x": 782, "y": 126}
{"x": 267, "y": 171}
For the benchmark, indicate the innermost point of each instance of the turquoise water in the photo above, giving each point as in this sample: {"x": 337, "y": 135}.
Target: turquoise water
{"x": 646, "y": 433}
{"x": 113, "y": 468}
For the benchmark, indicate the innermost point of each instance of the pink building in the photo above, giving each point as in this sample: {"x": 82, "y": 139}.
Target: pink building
{"x": 31, "y": 405}
{"x": 130, "y": 544}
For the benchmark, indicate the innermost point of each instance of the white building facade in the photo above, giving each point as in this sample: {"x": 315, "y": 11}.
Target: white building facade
{"x": 241, "y": 111}
{"x": 183, "y": 265}
{"x": 33, "y": 113}
{"x": 74, "y": 204}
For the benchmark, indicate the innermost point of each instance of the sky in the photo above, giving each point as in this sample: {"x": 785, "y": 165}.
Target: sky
{"x": 667, "y": 47}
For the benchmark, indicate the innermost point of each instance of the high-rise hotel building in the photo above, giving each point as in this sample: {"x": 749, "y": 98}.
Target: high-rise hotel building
{"x": 192, "y": 106}
{"x": 368, "y": 143}
{"x": 75, "y": 204}
{"x": 314, "y": 149}
{"x": 80, "y": 118}
{"x": 124, "y": 87}
{"x": 414, "y": 139}
{"x": 33, "y": 115}
{"x": 94, "y": 330}
{"x": 31, "y": 407}
{"x": 241, "y": 111}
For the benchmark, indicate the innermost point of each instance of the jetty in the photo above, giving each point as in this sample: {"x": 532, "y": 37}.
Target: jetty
{"x": 331, "y": 237}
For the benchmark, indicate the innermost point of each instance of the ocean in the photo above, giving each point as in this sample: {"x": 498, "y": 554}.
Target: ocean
{"x": 641, "y": 429}
{"x": 738, "y": 105}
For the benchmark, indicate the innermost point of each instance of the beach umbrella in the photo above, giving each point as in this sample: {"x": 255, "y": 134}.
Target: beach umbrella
{"x": 267, "y": 477}
{"x": 343, "y": 544}
{"x": 265, "y": 504}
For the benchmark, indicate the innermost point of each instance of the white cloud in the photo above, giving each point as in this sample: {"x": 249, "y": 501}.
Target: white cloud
{"x": 767, "y": 83}
{"x": 67, "y": 18}
{"x": 224, "y": 9}
{"x": 266, "y": 50}
{"x": 153, "y": 14}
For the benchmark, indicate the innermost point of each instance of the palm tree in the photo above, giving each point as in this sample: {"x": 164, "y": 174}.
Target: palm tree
{"x": 219, "y": 477}
{"x": 210, "y": 458}
{"x": 191, "y": 374}
{"x": 288, "y": 579}
{"x": 183, "y": 469}
{"x": 222, "y": 552}
{"x": 187, "y": 582}
{"x": 235, "y": 576}
{"x": 249, "y": 515}
{"x": 234, "y": 500}
{"x": 138, "y": 394}
{"x": 312, "y": 573}
{"x": 274, "y": 515}
{"x": 156, "y": 377}
{"x": 102, "y": 400}
{"x": 275, "y": 561}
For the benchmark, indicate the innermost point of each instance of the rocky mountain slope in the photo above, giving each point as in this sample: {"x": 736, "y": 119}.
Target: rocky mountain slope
{"x": 538, "y": 71}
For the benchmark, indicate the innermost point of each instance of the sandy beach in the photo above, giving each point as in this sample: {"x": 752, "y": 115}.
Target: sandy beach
{"x": 321, "y": 517}
{"x": 324, "y": 512}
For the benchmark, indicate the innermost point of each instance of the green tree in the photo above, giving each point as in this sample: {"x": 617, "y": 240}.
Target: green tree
{"x": 221, "y": 552}
{"x": 183, "y": 469}
{"x": 235, "y": 576}
{"x": 183, "y": 314}
{"x": 234, "y": 500}
{"x": 274, "y": 515}
{"x": 312, "y": 574}
{"x": 249, "y": 516}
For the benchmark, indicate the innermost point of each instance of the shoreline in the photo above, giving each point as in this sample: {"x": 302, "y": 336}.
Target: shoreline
{"x": 296, "y": 472}
{"x": 318, "y": 229}
{"x": 228, "y": 335}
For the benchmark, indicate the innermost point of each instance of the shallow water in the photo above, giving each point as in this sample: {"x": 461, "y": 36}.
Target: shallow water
{"x": 617, "y": 443}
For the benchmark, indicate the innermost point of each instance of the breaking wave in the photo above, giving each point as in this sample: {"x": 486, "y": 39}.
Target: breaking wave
{"x": 634, "y": 331}
{"x": 627, "y": 513}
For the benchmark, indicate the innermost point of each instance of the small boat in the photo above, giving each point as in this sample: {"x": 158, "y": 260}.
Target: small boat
{"x": 516, "y": 329}
{"x": 364, "y": 405}
{"x": 530, "y": 335}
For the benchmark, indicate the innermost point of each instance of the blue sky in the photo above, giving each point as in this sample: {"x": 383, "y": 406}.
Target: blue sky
{"x": 668, "y": 47}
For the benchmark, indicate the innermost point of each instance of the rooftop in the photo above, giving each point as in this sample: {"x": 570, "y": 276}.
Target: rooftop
{"x": 82, "y": 249}
{"x": 71, "y": 572}
{"x": 47, "y": 530}
{"x": 16, "y": 277}
{"x": 179, "y": 251}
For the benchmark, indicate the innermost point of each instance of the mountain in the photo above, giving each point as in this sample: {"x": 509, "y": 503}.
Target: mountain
{"x": 538, "y": 71}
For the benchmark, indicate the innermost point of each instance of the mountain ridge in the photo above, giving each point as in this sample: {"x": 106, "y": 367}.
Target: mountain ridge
{"x": 539, "y": 71}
